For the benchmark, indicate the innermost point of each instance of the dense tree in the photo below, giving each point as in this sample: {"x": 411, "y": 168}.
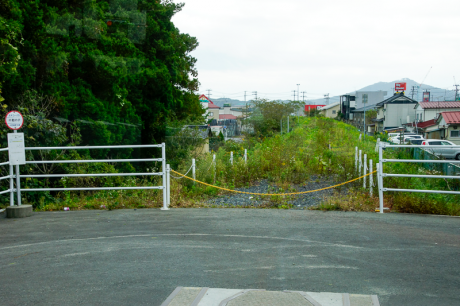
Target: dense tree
{"x": 118, "y": 68}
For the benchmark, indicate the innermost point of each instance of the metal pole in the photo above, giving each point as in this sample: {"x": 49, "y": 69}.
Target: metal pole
{"x": 168, "y": 182}
{"x": 281, "y": 124}
{"x": 360, "y": 162}
{"x": 18, "y": 182}
{"x": 215, "y": 166}
{"x": 193, "y": 169}
{"x": 377, "y": 145}
{"x": 231, "y": 157}
{"x": 380, "y": 177}
{"x": 371, "y": 178}
{"x": 288, "y": 124}
{"x": 245, "y": 156}
{"x": 163, "y": 164}
{"x": 11, "y": 186}
{"x": 364, "y": 170}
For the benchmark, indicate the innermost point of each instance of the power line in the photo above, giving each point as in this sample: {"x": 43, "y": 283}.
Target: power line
{"x": 255, "y": 93}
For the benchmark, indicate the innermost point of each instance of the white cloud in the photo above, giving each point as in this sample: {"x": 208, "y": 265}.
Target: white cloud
{"x": 330, "y": 46}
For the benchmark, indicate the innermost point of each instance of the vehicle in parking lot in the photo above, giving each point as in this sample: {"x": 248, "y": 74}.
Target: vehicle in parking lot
{"x": 415, "y": 141}
{"x": 450, "y": 151}
{"x": 398, "y": 139}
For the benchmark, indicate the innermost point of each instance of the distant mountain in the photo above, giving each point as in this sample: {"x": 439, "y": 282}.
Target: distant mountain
{"x": 221, "y": 101}
{"x": 437, "y": 94}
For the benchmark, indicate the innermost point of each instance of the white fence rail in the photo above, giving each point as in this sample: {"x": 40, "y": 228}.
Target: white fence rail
{"x": 381, "y": 174}
{"x": 165, "y": 172}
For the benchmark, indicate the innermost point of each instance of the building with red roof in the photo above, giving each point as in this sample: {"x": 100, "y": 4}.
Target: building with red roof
{"x": 426, "y": 111}
{"x": 447, "y": 126}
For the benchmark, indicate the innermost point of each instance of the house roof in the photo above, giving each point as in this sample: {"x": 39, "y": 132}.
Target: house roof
{"x": 439, "y": 104}
{"x": 397, "y": 99}
{"x": 451, "y": 117}
{"x": 425, "y": 124}
{"x": 212, "y": 105}
{"x": 328, "y": 106}
{"x": 226, "y": 116}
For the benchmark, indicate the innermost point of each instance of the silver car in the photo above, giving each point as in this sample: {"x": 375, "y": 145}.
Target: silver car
{"x": 448, "y": 152}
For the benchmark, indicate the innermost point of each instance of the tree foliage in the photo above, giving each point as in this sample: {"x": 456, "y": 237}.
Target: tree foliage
{"x": 267, "y": 115}
{"x": 118, "y": 69}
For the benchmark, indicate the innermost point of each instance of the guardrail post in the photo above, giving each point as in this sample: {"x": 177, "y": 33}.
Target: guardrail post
{"x": 245, "y": 156}
{"x": 193, "y": 170}
{"x": 371, "y": 178}
{"x": 364, "y": 170}
{"x": 165, "y": 187}
{"x": 168, "y": 184}
{"x": 11, "y": 186}
{"x": 380, "y": 177}
{"x": 360, "y": 162}
{"x": 231, "y": 158}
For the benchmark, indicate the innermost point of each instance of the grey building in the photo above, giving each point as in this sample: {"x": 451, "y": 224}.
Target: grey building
{"x": 394, "y": 112}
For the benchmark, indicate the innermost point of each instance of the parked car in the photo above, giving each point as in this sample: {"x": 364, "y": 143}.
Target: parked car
{"x": 448, "y": 152}
{"x": 415, "y": 141}
{"x": 398, "y": 139}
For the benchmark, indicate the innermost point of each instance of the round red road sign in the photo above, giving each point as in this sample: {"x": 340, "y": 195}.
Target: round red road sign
{"x": 14, "y": 120}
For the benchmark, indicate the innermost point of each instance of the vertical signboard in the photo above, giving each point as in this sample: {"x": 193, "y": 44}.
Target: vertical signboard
{"x": 16, "y": 149}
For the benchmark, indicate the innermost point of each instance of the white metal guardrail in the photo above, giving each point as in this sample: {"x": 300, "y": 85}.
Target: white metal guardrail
{"x": 381, "y": 174}
{"x": 165, "y": 173}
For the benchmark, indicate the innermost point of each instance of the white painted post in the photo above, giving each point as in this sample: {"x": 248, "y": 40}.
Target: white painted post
{"x": 371, "y": 178}
{"x": 215, "y": 166}
{"x": 11, "y": 186}
{"x": 18, "y": 185}
{"x": 168, "y": 183}
{"x": 380, "y": 176}
{"x": 360, "y": 162}
{"x": 165, "y": 187}
{"x": 288, "y": 125}
{"x": 377, "y": 145}
{"x": 365, "y": 171}
{"x": 193, "y": 170}
{"x": 360, "y": 137}
{"x": 356, "y": 158}
{"x": 245, "y": 156}
{"x": 231, "y": 158}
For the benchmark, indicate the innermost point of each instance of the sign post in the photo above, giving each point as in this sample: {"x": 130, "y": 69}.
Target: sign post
{"x": 16, "y": 149}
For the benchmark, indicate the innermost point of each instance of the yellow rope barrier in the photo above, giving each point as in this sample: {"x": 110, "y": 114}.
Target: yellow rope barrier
{"x": 273, "y": 194}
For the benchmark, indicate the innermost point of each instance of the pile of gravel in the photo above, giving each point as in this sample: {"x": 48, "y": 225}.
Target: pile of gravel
{"x": 298, "y": 202}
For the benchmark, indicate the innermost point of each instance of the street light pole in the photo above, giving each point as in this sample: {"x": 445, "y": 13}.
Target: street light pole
{"x": 298, "y": 92}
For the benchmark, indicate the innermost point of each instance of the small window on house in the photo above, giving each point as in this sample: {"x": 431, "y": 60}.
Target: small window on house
{"x": 454, "y": 134}
{"x": 211, "y": 114}
{"x": 334, "y": 112}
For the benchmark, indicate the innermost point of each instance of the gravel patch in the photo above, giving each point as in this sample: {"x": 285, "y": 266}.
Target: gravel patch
{"x": 298, "y": 202}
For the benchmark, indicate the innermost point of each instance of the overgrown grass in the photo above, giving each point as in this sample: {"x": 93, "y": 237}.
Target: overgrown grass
{"x": 282, "y": 160}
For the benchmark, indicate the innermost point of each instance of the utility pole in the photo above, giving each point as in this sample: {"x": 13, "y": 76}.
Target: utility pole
{"x": 303, "y": 96}
{"x": 298, "y": 92}
{"x": 412, "y": 92}
{"x": 326, "y": 97}
{"x": 456, "y": 92}
{"x": 254, "y": 93}
{"x": 209, "y": 93}
{"x": 293, "y": 95}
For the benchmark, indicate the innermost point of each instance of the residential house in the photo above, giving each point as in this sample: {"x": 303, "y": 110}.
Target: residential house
{"x": 212, "y": 110}
{"x": 430, "y": 110}
{"x": 393, "y": 112}
{"x": 331, "y": 110}
{"x": 447, "y": 126}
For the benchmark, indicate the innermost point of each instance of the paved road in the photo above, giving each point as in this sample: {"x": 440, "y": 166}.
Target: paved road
{"x": 138, "y": 257}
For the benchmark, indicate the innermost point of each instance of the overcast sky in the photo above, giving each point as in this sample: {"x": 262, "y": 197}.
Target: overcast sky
{"x": 330, "y": 46}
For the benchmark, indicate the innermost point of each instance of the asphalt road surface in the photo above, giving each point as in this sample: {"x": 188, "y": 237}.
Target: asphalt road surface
{"x": 138, "y": 257}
